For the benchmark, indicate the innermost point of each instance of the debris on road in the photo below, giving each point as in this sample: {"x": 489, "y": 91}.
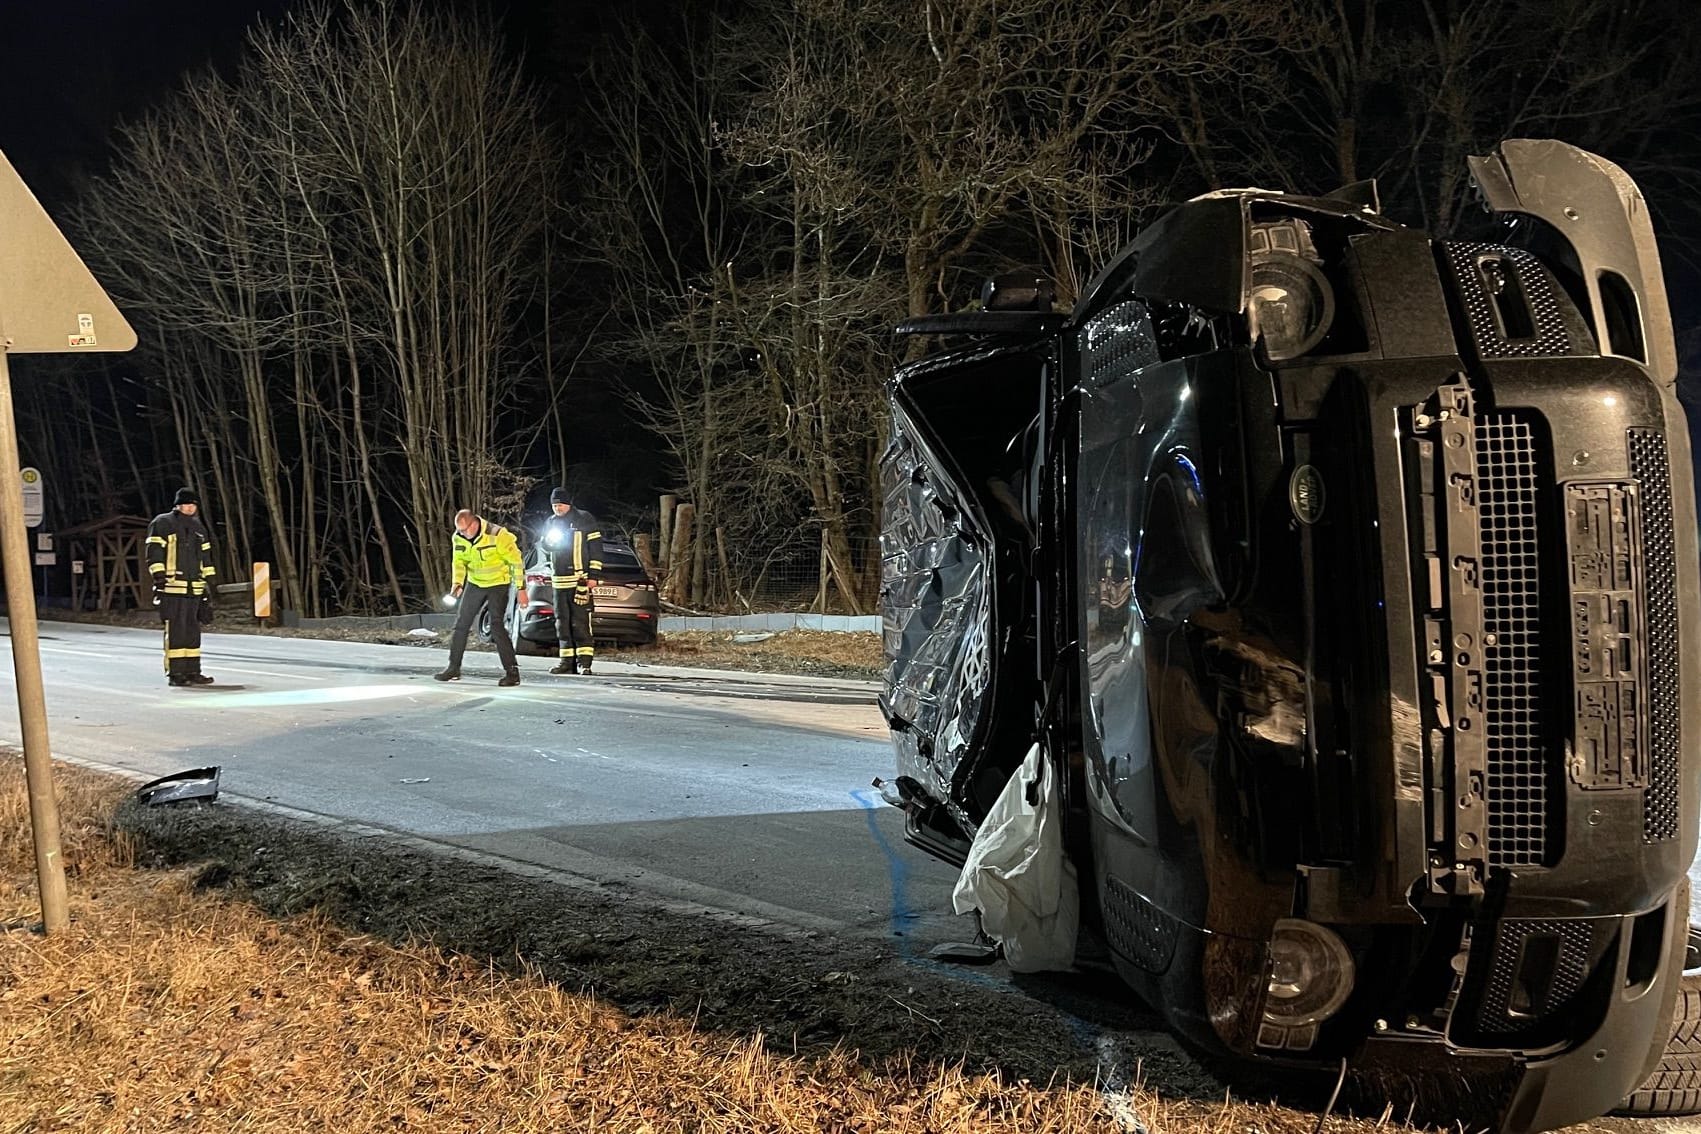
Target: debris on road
{"x": 422, "y": 632}
{"x": 750, "y": 639}
{"x": 196, "y": 783}
{"x": 420, "y": 780}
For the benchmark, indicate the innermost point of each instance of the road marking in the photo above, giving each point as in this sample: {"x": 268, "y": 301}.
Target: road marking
{"x": 271, "y": 673}
{"x": 107, "y": 656}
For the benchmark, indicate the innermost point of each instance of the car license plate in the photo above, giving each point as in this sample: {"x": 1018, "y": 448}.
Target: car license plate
{"x": 605, "y": 592}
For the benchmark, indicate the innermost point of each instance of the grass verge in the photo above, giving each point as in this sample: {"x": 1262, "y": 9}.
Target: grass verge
{"x": 262, "y": 979}
{"x": 173, "y": 1005}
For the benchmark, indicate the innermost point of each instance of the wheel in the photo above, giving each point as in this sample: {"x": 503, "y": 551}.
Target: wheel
{"x": 484, "y": 626}
{"x": 1675, "y": 1086}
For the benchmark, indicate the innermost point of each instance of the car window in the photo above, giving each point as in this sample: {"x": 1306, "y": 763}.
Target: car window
{"x": 615, "y": 555}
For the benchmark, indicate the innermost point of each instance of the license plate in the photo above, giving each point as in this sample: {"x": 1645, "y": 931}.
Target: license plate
{"x": 605, "y": 592}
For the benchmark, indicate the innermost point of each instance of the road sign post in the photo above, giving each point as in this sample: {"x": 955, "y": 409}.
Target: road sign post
{"x": 49, "y": 304}
{"x": 26, "y": 668}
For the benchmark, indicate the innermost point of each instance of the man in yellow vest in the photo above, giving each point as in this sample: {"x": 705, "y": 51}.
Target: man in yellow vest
{"x": 487, "y": 563}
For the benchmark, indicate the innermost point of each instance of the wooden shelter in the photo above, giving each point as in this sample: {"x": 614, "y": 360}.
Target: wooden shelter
{"x": 115, "y": 565}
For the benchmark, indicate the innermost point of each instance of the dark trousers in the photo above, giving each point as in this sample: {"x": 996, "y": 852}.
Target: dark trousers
{"x": 473, "y": 600}
{"x": 182, "y": 617}
{"x": 573, "y": 622}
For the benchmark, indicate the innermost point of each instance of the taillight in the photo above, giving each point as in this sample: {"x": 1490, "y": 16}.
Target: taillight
{"x": 643, "y": 586}
{"x": 540, "y": 578}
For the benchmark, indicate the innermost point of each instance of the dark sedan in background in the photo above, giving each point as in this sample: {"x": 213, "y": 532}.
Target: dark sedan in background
{"x": 627, "y": 604}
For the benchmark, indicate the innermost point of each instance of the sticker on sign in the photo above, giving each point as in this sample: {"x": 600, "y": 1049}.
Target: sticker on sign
{"x": 81, "y": 340}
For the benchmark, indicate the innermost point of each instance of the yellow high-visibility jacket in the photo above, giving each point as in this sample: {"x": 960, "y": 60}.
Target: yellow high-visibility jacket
{"x": 489, "y": 559}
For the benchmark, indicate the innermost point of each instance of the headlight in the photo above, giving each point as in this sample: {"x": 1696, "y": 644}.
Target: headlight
{"x": 1292, "y": 305}
{"x": 1311, "y": 974}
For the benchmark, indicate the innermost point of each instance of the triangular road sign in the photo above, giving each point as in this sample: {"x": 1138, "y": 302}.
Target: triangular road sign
{"x": 49, "y": 303}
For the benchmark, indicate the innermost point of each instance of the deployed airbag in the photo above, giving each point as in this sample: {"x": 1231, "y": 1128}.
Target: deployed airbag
{"x": 1018, "y": 875}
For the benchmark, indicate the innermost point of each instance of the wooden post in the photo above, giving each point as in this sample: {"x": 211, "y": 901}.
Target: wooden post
{"x": 679, "y": 558}
{"x": 668, "y": 503}
{"x": 726, "y": 568}
{"x": 26, "y": 670}
{"x": 641, "y": 548}
{"x": 821, "y": 591}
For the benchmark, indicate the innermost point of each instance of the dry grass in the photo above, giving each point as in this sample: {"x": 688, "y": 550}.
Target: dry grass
{"x": 166, "y": 1007}
{"x": 791, "y": 651}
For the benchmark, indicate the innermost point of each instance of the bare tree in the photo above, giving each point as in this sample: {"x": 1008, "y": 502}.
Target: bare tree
{"x": 344, "y": 232}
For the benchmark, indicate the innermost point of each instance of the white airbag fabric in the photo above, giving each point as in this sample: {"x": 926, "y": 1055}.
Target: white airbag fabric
{"x": 1018, "y": 876}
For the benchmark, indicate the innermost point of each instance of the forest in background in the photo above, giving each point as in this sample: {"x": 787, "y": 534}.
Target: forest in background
{"x": 385, "y": 265}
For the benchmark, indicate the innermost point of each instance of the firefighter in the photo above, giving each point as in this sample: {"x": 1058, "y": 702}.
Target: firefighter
{"x": 487, "y": 563}
{"x": 575, "y": 541}
{"x": 180, "y": 561}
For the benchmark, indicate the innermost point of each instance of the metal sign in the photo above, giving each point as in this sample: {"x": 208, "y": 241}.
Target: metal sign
{"x": 32, "y": 497}
{"x": 49, "y": 303}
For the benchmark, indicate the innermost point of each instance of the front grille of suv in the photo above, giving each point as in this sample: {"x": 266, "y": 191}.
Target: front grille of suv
{"x": 1516, "y": 787}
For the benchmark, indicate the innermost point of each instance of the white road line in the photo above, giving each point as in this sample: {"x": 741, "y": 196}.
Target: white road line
{"x": 262, "y": 672}
{"x": 57, "y": 649}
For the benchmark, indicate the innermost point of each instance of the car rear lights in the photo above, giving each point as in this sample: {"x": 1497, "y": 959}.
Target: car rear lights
{"x": 1311, "y": 975}
{"x": 644, "y": 614}
{"x": 540, "y": 578}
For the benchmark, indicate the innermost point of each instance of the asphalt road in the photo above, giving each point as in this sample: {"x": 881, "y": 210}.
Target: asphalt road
{"x": 741, "y": 792}
{"x": 746, "y": 793}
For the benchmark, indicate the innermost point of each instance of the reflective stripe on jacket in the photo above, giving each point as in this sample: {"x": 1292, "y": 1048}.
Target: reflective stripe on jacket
{"x": 180, "y": 554}
{"x": 489, "y": 559}
{"x": 578, "y": 553}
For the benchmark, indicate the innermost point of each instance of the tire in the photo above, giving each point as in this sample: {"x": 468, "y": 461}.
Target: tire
{"x": 1675, "y": 1086}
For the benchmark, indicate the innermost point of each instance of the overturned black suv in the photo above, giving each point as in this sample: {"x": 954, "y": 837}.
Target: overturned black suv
{"x": 1348, "y": 578}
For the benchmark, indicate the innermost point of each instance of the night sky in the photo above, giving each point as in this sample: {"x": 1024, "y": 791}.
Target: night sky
{"x": 70, "y": 70}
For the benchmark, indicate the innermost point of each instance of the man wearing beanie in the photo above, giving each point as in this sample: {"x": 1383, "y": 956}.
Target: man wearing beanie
{"x": 180, "y": 561}
{"x": 574, "y": 539}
